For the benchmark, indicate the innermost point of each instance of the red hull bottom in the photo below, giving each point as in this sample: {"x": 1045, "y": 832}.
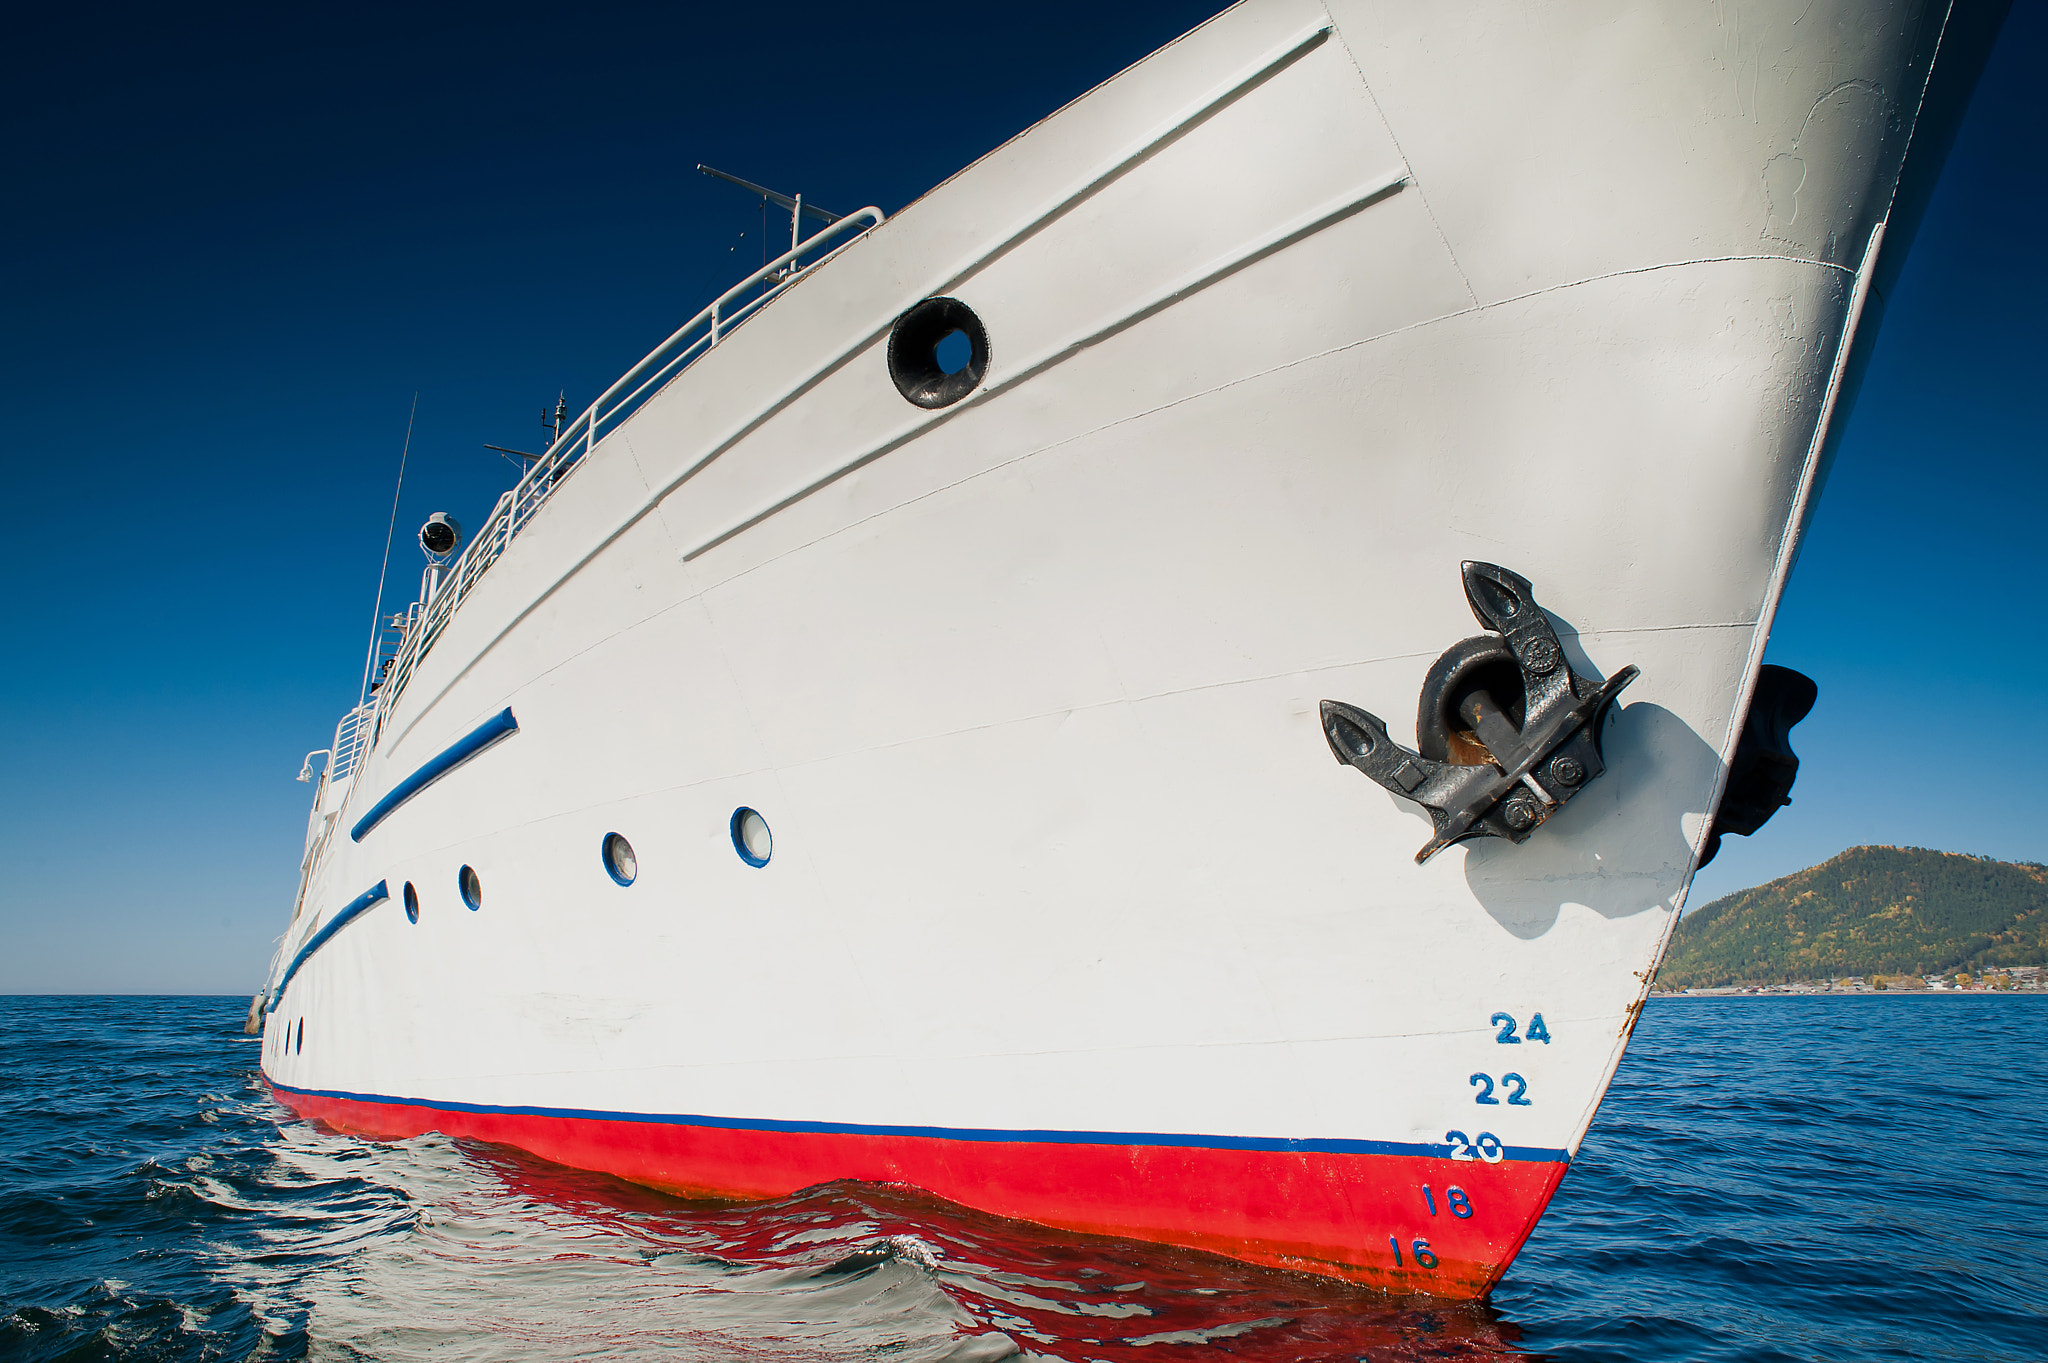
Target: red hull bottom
{"x": 1418, "y": 1223}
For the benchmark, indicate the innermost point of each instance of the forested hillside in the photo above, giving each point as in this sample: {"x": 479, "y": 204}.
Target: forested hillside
{"x": 1869, "y": 911}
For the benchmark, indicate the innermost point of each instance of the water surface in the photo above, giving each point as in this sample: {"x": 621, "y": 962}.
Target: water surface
{"x": 1824, "y": 1179}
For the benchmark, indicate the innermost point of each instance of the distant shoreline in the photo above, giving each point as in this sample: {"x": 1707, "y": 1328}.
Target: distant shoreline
{"x": 1864, "y": 994}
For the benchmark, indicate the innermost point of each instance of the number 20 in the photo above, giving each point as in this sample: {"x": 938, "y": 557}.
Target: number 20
{"x": 1463, "y": 1147}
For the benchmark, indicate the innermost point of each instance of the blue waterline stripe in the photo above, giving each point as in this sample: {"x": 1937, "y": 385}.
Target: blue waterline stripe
{"x": 1532, "y": 1154}
{"x": 469, "y": 745}
{"x": 376, "y": 894}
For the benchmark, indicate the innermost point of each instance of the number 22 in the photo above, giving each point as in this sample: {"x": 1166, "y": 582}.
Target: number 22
{"x": 1518, "y": 1090}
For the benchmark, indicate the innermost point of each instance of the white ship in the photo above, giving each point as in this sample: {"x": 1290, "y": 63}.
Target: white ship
{"x": 844, "y": 758}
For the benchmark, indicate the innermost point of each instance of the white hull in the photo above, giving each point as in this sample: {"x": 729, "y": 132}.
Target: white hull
{"x": 1027, "y": 687}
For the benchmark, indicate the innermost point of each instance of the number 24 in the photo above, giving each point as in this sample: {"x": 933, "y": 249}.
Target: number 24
{"x": 1507, "y": 1037}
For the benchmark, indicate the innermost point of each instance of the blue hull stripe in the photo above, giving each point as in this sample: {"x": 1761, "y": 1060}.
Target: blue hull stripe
{"x": 1527, "y": 1153}
{"x": 469, "y": 745}
{"x": 350, "y": 911}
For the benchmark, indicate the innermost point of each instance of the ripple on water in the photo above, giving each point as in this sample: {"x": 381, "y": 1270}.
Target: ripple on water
{"x": 1825, "y": 1179}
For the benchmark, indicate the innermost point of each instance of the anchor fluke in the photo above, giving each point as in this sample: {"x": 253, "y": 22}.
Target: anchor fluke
{"x": 1507, "y": 732}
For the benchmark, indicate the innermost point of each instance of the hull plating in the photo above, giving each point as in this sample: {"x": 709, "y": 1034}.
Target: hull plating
{"x": 1299, "y": 1207}
{"x": 1283, "y": 324}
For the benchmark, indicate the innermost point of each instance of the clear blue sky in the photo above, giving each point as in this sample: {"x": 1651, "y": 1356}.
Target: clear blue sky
{"x": 235, "y": 243}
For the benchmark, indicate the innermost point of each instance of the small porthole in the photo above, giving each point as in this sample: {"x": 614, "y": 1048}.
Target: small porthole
{"x": 412, "y": 903}
{"x": 619, "y": 861}
{"x": 751, "y": 838}
{"x": 938, "y": 352}
{"x": 472, "y": 888}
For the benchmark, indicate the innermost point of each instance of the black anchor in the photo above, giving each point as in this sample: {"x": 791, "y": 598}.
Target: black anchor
{"x": 1492, "y": 764}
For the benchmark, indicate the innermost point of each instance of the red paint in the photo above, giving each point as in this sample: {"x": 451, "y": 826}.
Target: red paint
{"x": 1318, "y": 1212}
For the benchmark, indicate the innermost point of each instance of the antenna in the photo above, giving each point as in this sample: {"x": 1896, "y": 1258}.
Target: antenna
{"x": 377, "y": 611}
{"x": 794, "y": 203}
{"x": 551, "y": 424}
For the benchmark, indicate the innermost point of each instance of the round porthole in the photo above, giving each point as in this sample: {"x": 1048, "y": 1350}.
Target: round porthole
{"x": 938, "y": 352}
{"x": 412, "y": 903}
{"x": 618, "y": 859}
{"x": 751, "y": 838}
{"x": 471, "y": 887}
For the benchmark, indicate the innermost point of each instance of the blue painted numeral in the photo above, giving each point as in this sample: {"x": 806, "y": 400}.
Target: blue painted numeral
{"x": 1423, "y": 1256}
{"x": 1430, "y": 1198}
{"x": 1517, "y": 1086}
{"x": 1506, "y": 1024}
{"x": 1537, "y": 1031}
{"x": 1461, "y": 1205}
{"x": 1396, "y": 1243}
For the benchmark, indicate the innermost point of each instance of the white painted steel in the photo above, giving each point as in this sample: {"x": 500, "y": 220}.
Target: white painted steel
{"x": 421, "y": 626}
{"x": 1286, "y": 321}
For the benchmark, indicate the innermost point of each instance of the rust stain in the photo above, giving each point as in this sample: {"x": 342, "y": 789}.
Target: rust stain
{"x": 1464, "y": 748}
{"x": 1635, "y": 1013}
{"x": 1635, "y": 1010}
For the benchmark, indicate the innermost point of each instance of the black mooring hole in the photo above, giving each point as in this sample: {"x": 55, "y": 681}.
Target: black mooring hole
{"x": 925, "y": 359}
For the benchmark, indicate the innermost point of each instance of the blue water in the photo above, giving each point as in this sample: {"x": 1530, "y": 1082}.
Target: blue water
{"x": 1826, "y": 1179}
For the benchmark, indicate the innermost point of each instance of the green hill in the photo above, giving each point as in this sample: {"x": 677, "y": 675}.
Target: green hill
{"x": 1869, "y": 911}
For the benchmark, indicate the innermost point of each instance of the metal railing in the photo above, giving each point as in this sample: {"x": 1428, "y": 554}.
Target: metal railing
{"x": 690, "y": 341}
{"x": 351, "y": 740}
{"x": 401, "y": 642}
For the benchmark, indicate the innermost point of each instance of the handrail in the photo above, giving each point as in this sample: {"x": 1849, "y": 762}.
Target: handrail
{"x": 351, "y": 737}
{"x": 356, "y": 734}
{"x": 515, "y": 508}
{"x": 777, "y": 274}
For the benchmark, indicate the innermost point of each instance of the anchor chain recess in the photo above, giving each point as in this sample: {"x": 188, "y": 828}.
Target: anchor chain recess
{"x": 1507, "y": 732}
